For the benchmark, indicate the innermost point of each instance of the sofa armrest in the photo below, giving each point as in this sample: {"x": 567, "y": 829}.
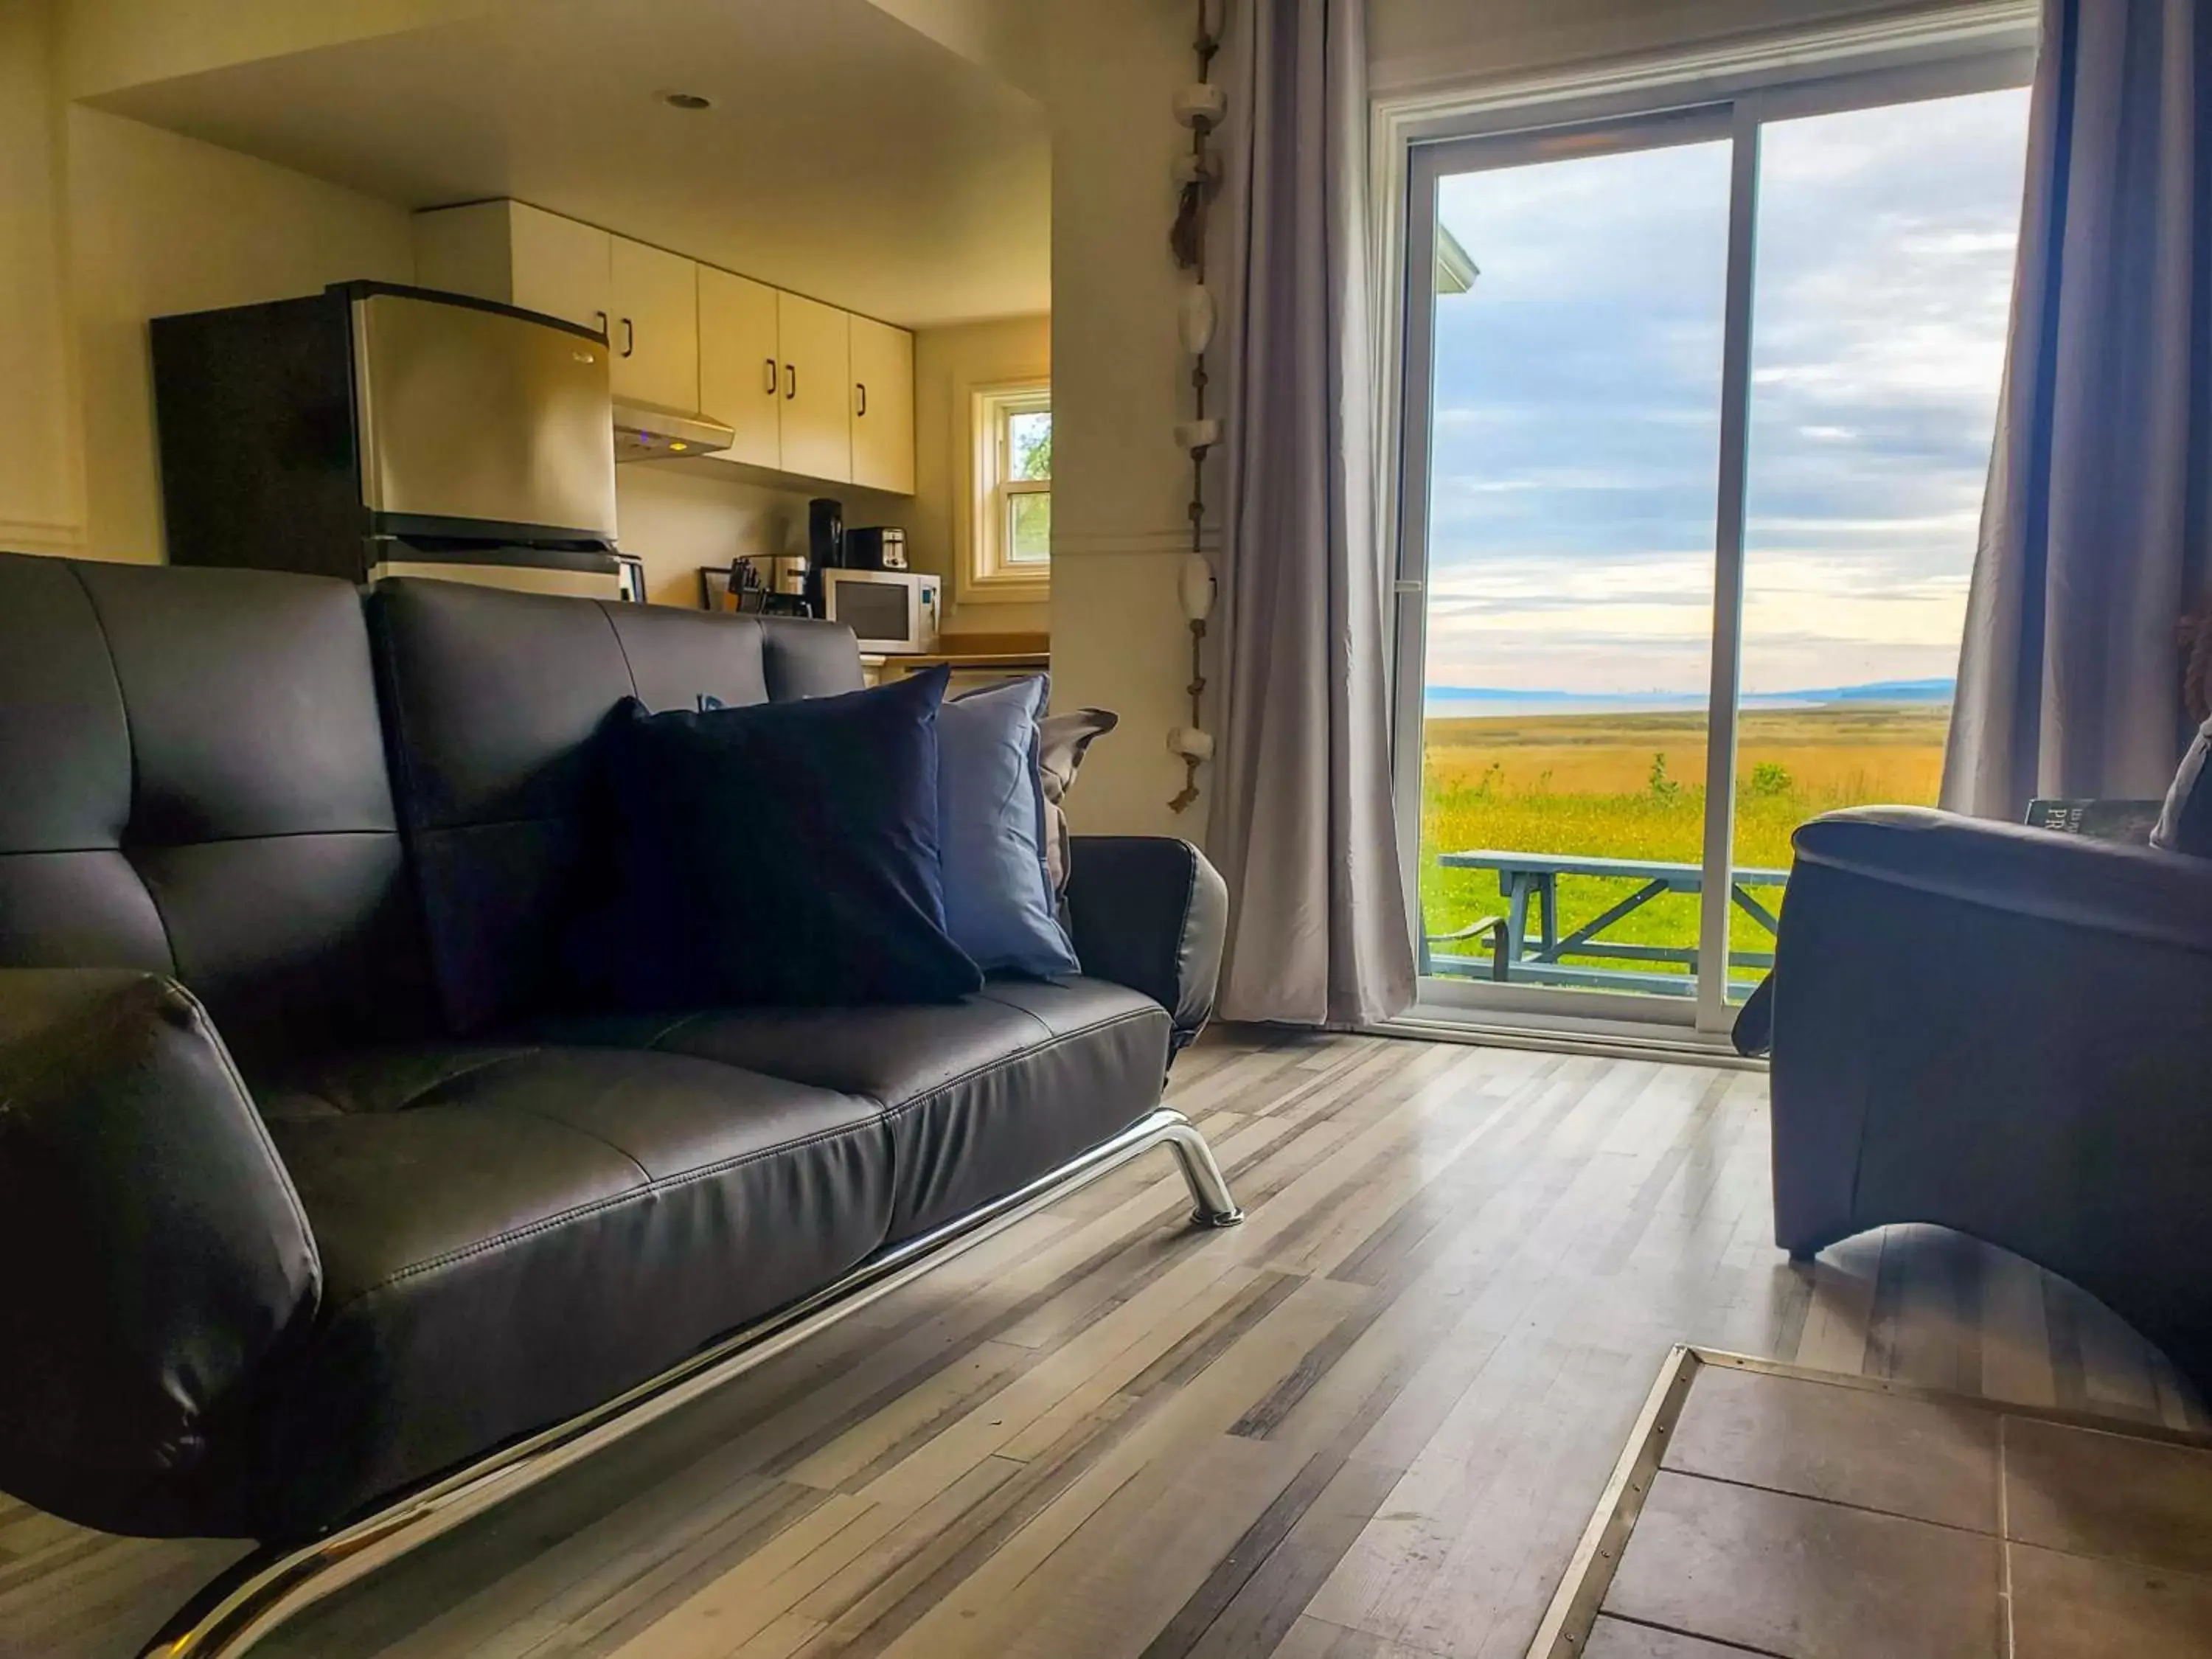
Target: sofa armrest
{"x": 1150, "y": 912}
{"x": 153, "y": 1251}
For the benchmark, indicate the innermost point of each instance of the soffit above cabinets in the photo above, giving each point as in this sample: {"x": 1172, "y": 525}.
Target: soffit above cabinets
{"x": 845, "y": 154}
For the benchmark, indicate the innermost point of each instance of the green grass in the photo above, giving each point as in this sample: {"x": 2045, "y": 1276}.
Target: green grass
{"x": 1633, "y": 786}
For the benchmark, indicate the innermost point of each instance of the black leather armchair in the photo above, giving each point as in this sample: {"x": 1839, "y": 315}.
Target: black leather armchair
{"x": 2008, "y": 1032}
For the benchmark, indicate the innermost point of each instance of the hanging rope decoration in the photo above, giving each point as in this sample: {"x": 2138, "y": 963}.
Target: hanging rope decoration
{"x": 1198, "y": 107}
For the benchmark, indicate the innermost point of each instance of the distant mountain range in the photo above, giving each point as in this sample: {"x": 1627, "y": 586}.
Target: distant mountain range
{"x": 1872, "y": 692}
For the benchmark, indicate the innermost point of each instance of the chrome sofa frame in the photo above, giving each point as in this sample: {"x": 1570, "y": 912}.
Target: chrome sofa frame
{"x": 278, "y": 1582}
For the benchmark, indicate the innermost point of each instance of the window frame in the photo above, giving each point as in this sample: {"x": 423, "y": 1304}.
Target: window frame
{"x": 988, "y": 568}
{"x": 1421, "y": 137}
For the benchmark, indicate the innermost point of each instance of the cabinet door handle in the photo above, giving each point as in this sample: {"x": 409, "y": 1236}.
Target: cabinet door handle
{"x": 861, "y": 386}
{"x": 602, "y": 316}
{"x": 790, "y": 381}
{"x": 770, "y": 388}
{"x": 629, "y": 337}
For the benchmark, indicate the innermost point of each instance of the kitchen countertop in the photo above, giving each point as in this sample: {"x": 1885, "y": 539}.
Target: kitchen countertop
{"x": 959, "y": 660}
{"x": 1012, "y": 654}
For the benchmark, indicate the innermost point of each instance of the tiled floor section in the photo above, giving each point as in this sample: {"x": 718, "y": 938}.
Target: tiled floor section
{"x": 1813, "y": 1519}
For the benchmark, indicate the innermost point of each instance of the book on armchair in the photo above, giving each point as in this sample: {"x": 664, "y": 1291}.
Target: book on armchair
{"x": 2130, "y": 821}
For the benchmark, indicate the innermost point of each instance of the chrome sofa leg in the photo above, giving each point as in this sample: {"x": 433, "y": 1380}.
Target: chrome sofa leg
{"x": 1209, "y": 1187}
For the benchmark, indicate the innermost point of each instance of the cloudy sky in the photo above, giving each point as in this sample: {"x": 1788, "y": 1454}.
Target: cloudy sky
{"x": 1577, "y": 430}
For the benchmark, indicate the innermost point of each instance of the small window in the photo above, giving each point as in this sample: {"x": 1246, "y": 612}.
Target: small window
{"x": 1012, "y": 539}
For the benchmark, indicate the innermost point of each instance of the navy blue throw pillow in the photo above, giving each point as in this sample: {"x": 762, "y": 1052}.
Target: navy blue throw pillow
{"x": 776, "y": 853}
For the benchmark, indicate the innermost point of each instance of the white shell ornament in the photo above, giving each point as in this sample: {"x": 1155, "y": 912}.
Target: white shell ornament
{"x": 1191, "y": 743}
{"x": 1197, "y": 435}
{"x": 1200, "y": 102}
{"x": 1195, "y": 587}
{"x": 1196, "y": 320}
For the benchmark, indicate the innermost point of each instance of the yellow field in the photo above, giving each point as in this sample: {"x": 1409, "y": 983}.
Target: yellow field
{"x": 1632, "y": 786}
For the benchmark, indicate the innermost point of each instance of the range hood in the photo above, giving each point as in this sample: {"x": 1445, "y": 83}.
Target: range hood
{"x": 646, "y": 432}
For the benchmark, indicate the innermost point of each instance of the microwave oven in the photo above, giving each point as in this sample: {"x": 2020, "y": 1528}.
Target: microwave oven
{"x": 891, "y": 612}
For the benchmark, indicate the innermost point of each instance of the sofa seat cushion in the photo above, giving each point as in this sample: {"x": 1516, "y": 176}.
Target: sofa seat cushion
{"x": 981, "y": 1097}
{"x": 512, "y": 1234}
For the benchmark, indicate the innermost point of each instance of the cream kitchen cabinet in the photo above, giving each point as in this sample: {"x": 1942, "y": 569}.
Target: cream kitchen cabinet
{"x": 560, "y": 267}
{"x": 653, "y": 325}
{"x": 809, "y": 390}
{"x": 814, "y": 343}
{"x": 882, "y": 406}
{"x": 741, "y": 365}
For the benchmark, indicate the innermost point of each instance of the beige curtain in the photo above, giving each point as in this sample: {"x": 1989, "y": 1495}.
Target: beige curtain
{"x": 2095, "y": 527}
{"x": 1302, "y": 822}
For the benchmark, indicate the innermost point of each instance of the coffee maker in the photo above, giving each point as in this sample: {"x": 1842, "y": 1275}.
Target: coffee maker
{"x": 825, "y": 545}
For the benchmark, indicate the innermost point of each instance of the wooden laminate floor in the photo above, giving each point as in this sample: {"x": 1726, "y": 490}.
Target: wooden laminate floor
{"x": 1370, "y": 1424}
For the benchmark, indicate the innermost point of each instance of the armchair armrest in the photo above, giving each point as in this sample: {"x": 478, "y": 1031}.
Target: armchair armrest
{"x": 2004, "y": 1031}
{"x": 2067, "y": 882}
{"x": 1150, "y": 912}
{"x": 153, "y": 1251}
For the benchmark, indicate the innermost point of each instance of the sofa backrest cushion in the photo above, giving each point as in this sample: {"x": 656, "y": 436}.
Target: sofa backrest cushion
{"x": 194, "y": 785}
{"x": 492, "y": 698}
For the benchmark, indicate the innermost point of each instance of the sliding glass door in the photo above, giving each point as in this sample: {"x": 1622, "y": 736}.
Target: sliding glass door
{"x": 1698, "y": 409}
{"x": 1882, "y": 294}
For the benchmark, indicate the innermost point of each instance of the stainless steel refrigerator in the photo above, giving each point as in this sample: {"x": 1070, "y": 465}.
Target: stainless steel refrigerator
{"x": 373, "y": 431}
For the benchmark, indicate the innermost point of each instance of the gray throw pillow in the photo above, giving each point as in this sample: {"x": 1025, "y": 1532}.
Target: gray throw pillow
{"x": 992, "y": 835}
{"x": 1062, "y": 740}
{"x": 2186, "y": 825}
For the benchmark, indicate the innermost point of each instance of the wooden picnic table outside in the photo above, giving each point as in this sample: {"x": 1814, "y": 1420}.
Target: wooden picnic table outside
{"x": 1523, "y": 878}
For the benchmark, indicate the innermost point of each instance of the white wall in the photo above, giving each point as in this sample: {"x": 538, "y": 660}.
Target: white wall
{"x": 680, "y": 516}
{"x": 677, "y": 516}
{"x": 41, "y": 497}
{"x": 1425, "y": 43}
{"x": 104, "y": 223}
{"x": 949, "y": 365}
{"x": 108, "y": 45}
{"x": 1106, "y": 71}
{"x": 158, "y": 223}
{"x": 1120, "y": 485}
{"x": 1009, "y": 38}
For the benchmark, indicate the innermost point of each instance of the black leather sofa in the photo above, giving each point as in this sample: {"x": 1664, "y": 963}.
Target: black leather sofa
{"x": 2006, "y": 1031}
{"x": 313, "y": 1185}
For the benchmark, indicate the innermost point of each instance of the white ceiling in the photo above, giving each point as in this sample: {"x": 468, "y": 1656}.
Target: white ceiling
{"x": 846, "y": 156}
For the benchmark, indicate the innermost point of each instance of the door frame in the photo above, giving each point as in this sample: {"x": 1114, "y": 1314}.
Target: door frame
{"x": 1690, "y": 98}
